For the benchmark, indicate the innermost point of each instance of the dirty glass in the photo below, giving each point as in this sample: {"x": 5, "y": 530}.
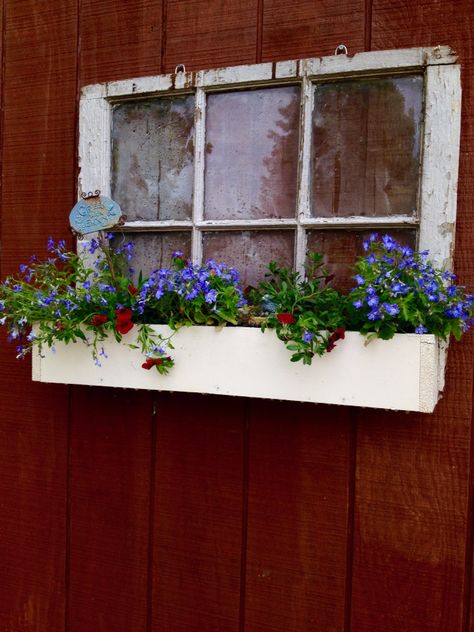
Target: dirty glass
{"x": 153, "y": 250}
{"x": 152, "y": 158}
{"x": 366, "y": 147}
{"x": 251, "y": 158}
{"x": 341, "y": 248}
{"x": 250, "y": 251}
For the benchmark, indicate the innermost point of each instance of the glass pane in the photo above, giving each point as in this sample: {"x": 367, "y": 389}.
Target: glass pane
{"x": 366, "y": 147}
{"x": 252, "y": 153}
{"x": 340, "y": 249}
{"x": 152, "y": 158}
{"x": 153, "y": 250}
{"x": 250, "y": 251}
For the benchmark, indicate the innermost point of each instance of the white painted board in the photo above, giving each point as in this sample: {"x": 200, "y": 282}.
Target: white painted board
{"x": 400, "y": 374}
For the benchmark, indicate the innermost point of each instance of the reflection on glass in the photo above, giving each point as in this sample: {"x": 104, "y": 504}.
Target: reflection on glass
{"x": 341, "y": 248}
{"x": 252, "y": 153}
{"x": 250, "y": 251}
{"x": 153, "y": 250}
{"x": 152, "y": 158}
{"x": 366, "y": 147}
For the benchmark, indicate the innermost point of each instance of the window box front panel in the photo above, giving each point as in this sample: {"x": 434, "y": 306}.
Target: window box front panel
{"x": 400, "y": 374}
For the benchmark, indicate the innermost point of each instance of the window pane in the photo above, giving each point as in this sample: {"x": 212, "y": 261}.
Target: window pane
{"x": 252, "y": 153}
{"x": 152, "y": 158}
{"x": 340, "y": 249}
{"x": 153, "y": 250}
{"x": 249, "y": 251}
{"x": 366, "y": 147}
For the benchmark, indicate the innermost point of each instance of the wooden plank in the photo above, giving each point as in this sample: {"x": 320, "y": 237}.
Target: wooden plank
{"x": 413, "y": 472}
{"x": 466, "y": 195}
{"x": 300, "y": 468}
{"x": 297, "y": 517}
{"x": 120, "y": 39}
{"x": 37, "y": 158}
{"x": 210, "y": 33}
{"x": 306, "y": 28}
{"x": 110, "y": 469}
{"x": 110, "y": 487}
{"x": 198, "y": 513}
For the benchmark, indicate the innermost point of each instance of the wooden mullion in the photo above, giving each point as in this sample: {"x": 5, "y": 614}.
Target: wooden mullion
{"x": 304, "y": 175}
{"x": 199, "y": 163}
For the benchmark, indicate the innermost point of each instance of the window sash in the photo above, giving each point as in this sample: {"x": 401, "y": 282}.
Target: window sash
{"x": 439, "y": 156}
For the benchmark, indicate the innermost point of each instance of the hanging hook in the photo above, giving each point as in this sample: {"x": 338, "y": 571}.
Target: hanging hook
{"x": 88, "y": 195}
{"x": 179, "y": 68}
{"x": 341, "y": 49}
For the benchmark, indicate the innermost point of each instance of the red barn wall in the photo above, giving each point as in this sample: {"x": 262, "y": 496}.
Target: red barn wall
{"x": 139, "y": 512}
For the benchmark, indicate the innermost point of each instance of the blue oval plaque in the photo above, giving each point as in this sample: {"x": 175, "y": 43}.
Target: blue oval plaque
{"x": 94, "y": 213}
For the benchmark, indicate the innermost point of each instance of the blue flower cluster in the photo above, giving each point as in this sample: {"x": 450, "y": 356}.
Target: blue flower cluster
{"x": 394, "y": 281}
{"x": 190, "y": 282}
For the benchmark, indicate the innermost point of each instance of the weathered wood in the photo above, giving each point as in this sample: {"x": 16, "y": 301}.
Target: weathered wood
{"x": 209, "y": 33}
{"x": 198, "y": 514}
{"x": 299, "y": 477}
{"x": 117, "y": 40}
{"x": 413, "y": 473}
{"x": 305, "y": 28}
{"x": 38, "y": 107}
{"x": 110, "y": 470}
{"x": 120, "y": 39}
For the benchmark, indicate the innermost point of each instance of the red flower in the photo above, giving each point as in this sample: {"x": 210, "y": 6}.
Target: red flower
{"x": 59, "y": 326}
{"x": 123, "y": 315}
{"x": 124, "y": 327}
{"x": 99, "y": 319}
{"x": 132, "y": 289}
{"x": 338, "y": 334}
{"x": 285, "y": 318}
{"x": 151, "y": 362}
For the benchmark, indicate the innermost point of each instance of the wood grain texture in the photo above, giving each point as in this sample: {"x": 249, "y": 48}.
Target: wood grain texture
{"x": 120, "y": 39}
{"x": 210, "y": 33}
{"x": 37, "y": 150}
{"x": 110, "y": 473}
{"x": 111, "y": 451}
{"x": 413, "y": 471}
{"x": 198, "y": 513}
{"x": 304, "y": 28}
{"x": 299, "y": 476}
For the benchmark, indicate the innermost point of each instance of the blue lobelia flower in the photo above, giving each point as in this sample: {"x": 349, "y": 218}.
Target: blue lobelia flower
{"x": 391, "y": 309}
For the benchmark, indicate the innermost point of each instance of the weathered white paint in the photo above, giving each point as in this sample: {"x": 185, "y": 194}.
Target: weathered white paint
{"x": 234, "y": 75}
{"x": 387, "y": 60}
{"x": 199, "y": 166}
{"x": 439, "y": 176}
{"x": 275, "y": 222}
{"x": 94, "y": 145}
{"x": 285, "y": 69}
{"x": 304, "y": 175}
{"x": 397, "y": 374}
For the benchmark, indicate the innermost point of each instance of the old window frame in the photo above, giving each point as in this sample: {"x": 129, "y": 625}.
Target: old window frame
{"x": 436, "y": 213}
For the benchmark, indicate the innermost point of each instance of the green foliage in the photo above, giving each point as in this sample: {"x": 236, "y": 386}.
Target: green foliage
{"x": 305, "y": 312}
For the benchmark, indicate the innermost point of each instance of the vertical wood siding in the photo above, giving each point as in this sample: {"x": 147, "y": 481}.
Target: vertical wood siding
{"x": 141, "y": 512}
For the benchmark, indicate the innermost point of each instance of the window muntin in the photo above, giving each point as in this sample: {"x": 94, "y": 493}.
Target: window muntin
{"x": 439, "y": 137}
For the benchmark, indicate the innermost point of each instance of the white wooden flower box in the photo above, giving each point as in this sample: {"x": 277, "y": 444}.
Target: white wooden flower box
{"x": 400, "y": 374}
